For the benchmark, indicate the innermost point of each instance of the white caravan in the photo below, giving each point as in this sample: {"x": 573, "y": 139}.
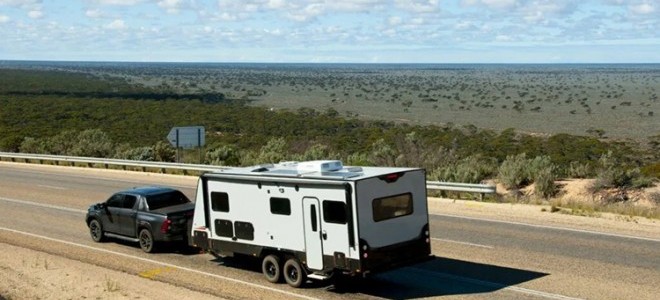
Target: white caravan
{"x": 315, "y": 219}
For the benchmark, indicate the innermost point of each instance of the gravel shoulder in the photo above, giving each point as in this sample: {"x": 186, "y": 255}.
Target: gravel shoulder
{"x": 29, "y": 274}
{"x": 540, "y": 215}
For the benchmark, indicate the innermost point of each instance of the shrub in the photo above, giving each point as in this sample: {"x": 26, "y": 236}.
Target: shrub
{"x": 223, "y": 156}
{"x": 651, "y": 170}
{"x": 140, "y": 153}
{"x": 92, "y": 143}
{"x": 544, "y": 182}
{"x": 32, "y": 145}
{"x": 473, "y": 169}
{"x": 382, "y": 154}
{"x": 512, "y": 172}
{"x": 164, "y": 152}
{"x": 357, "y": 159}
{"x": 640, "y": 181}
{"x": 579, "y": 170}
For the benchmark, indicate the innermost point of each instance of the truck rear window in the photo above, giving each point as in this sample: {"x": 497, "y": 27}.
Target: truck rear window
{"x": 392, "y": 207}
{"x": 166, "y": 199}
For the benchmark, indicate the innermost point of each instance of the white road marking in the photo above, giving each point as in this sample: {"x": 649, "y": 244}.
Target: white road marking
{"x": 464, "y": 243}
{"x": 80, "y": 211}
{"x": 494, "y": 285}
{"x": 553, "y": 227}
{"x": 52, "y": 187}
{"x": 160, "y": 263}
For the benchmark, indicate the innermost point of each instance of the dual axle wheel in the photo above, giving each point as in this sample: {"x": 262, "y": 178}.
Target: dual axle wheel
{"x": 292, "y": 270}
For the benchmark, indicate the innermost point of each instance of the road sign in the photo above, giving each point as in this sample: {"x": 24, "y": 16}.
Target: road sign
{"x": 187, "y": 137}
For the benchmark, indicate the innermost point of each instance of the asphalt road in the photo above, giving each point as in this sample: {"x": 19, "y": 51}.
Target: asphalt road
{"x": 43, "y": 208}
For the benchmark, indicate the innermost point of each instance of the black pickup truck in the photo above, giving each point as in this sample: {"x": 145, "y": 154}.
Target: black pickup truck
{"x": 147, "y": 215}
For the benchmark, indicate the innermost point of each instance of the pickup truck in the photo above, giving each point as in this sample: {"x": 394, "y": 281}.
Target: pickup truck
{"x": 146, "y": 215}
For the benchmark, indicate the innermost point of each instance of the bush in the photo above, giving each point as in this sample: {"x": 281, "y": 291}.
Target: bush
{"x": 640, "y": 182}
{"x": 513, "y": 173}
{"x": 579, "y": 170}
{"x": 140, "y": 153}
{"x": 473, "y": 169}
{"x": 652, "y": 170}
{"x": 92, "y": 143}
{"x": 223, "y": 156}
{"x": 357, "y": 159}
{"x": 544, "y": 182}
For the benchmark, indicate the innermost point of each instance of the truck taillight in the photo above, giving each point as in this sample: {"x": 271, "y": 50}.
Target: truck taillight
{"x": 166, "y": 226}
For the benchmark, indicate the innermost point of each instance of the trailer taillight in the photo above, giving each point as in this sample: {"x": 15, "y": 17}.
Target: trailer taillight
{"x": 364, "y": 248}
{"x": 167, "y": 225}
{"x": 389, "y": 178}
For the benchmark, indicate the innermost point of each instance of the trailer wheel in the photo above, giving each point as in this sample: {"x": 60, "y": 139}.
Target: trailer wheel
{"x": 96, "y": 231}
{"x": 146, "y": 240}
{"x": 294, "y": 274}
{"x": 270, "y": 266}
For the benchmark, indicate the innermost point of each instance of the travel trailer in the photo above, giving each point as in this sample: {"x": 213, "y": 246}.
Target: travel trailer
{"x": 314, "y": 219}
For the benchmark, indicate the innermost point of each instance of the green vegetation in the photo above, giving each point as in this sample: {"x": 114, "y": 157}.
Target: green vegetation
{"x": 97, "y": 112}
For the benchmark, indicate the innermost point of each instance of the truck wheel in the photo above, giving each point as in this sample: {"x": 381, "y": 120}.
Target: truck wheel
{"x": 294, "y": 274}
{"x": 146, "y": 241}
{"x": 96, "y": 231}
{"x": 270, "y": 266}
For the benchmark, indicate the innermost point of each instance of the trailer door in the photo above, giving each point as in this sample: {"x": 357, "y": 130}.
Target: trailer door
{"x": 313, "y": 231}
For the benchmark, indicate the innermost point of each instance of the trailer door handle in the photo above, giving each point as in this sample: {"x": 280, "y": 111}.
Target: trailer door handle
{"x": 324, "y": 235}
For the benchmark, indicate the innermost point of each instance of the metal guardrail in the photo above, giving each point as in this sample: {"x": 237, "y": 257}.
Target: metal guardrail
{"x": 162, "y": 166}
{"x": 106, "y": 162}
{"x": 461, "y": 187}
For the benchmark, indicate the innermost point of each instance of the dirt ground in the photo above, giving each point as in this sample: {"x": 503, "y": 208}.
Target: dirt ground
{"x": 38, "y": 275}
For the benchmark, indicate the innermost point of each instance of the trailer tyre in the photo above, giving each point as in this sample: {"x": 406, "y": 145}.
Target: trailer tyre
{"x": 294, "y": 274}
{"x": 96, "y": 231}
{"x": 270, "y": 266}
{"x": 146, "y": 240}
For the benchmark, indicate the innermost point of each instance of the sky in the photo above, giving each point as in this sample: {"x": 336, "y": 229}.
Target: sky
{"x": 326, "y": 31}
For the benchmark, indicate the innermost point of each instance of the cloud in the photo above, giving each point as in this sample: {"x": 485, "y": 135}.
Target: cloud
{"x": 35, "y": 14}
{"x": 642, "y": 9}
{"x": 119, "y": 2}
{"x": 117, "y": 24}
{"x": 19, "y": 3}
{"x": 394, "y": 21}
{"x": 93, "y": 13}
{"x": 498, "y": 4}
{"x": 419, "y": 6}
{"x": 171, "y": 6}
{"x": 4, "y": 19}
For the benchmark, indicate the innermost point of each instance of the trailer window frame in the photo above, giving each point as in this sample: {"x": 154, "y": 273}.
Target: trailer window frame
{"x": 334, "y": 212}
{"x": 280, "y": 206}
{"x": 381, "y": 211}
{"x": 219, "y": 201}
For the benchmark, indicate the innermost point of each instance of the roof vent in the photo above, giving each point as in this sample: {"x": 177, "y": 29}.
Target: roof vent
{"x": 319, "y": 166}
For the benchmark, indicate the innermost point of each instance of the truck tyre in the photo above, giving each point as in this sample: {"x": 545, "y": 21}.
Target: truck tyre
{"x": 146, "y": 240}
{"x": 270, "y": 266}
{"x": 293, "y": 272}
{"x": 96, "y": 231}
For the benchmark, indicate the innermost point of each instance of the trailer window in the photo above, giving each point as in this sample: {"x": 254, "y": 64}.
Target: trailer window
{"x": 219, "y": 201}
{"x": 224, "y": 228}
{"x": 392, "y": 207}
{"x": 280, "y": 206}
{"x": 334, "y": 212}
{"x": 244, "y": 230}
